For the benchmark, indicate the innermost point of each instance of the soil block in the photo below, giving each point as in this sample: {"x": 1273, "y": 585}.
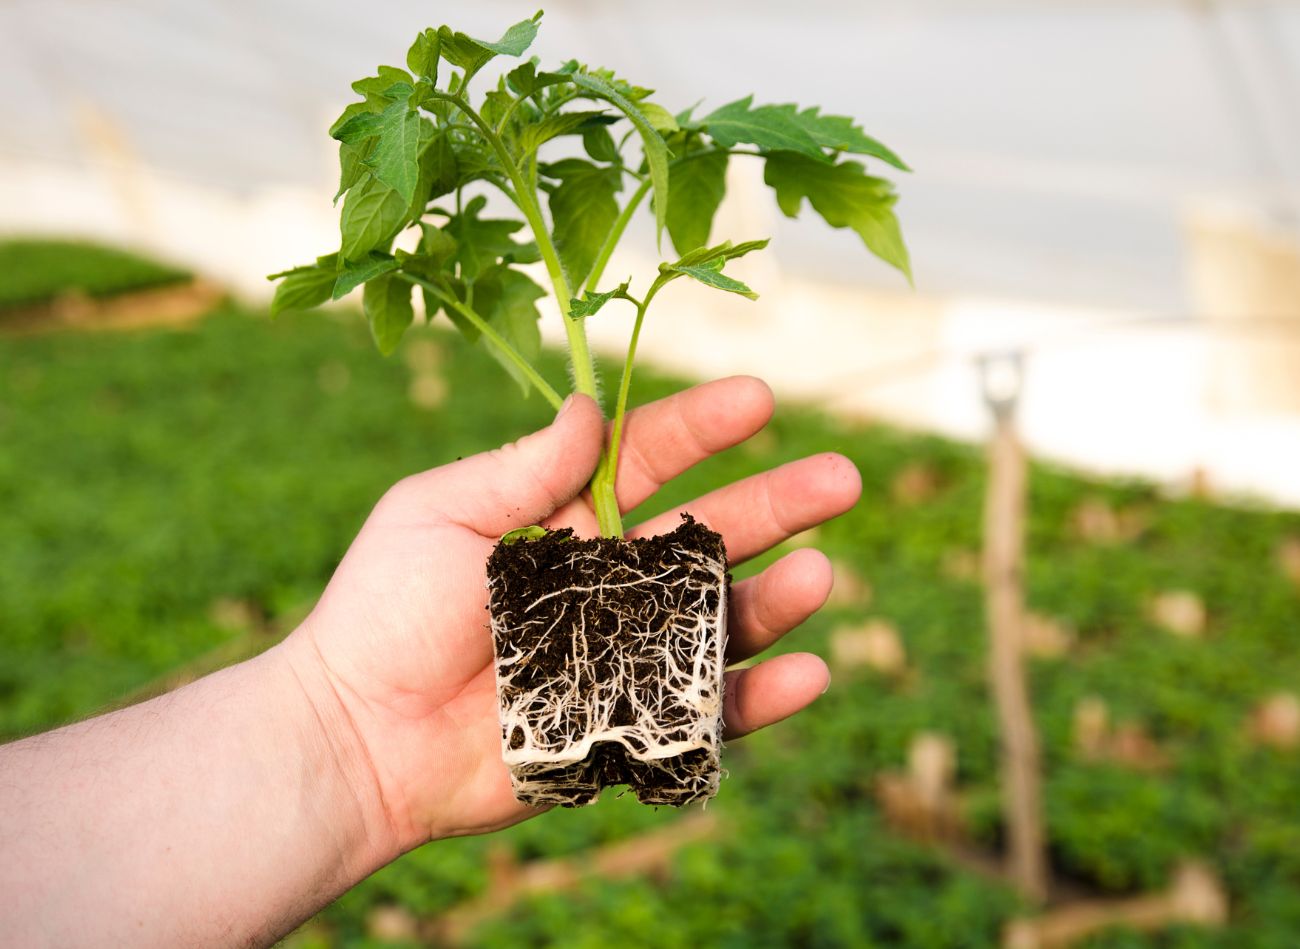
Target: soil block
{"x": 609, "y": 662}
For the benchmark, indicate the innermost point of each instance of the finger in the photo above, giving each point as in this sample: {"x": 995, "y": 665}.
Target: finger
{"x": 766, "y": 607}
{"x": 667, "y": 437}
{"x": 759, "y": 512}
{"x": 770, "y": 691}
{"x": 521, "y": 483}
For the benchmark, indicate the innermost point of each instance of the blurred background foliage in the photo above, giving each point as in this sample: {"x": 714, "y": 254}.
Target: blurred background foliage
{"x": 172, "y": 499}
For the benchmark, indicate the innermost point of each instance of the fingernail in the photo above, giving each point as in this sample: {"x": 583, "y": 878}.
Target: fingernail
{"x": 564, "y": 407}
{"x": 828, "y": 685}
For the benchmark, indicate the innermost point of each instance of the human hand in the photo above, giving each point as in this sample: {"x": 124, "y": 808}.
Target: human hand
{"x": 396, "y": 657}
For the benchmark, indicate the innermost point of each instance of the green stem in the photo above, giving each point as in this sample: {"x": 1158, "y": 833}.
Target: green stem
{"x": 580, "y": 357}
{"x": 482, "y": 325}
{"x": 615, "y": 235}
{"x": 607, "y": 471}
{"x": 584, "y": 367}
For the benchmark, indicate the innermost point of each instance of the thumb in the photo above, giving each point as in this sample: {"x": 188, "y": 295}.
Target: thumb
{"x": 523, "y": 482}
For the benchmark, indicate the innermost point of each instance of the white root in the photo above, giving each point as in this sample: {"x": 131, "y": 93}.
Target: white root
{"x": 630, "y": 661}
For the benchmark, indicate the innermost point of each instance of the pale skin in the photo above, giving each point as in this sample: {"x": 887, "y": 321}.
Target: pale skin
{"x": 227, "y": 812}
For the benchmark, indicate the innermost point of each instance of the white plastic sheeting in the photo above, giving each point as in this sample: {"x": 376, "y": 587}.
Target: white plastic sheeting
{"x": 1058, "y": 148}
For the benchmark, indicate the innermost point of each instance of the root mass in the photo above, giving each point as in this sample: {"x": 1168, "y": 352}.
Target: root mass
{"x": 609, "y": 661}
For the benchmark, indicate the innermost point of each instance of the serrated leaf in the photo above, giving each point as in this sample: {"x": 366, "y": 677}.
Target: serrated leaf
{"x": 301, "y": 289}
{"x": 481, "y": 242}
{"x": 767, "y": 126}
{"x": 435, "y": 242}
{"x": 591, "y": 303}
{"x": 439, "y": 173}
{"x": 387, "y": 305}
{"x": 553, "y": 126}
{"x": 403, "y": 135}
{"x": 710, "y": 274}
{"x": 496, "y": 104}
{"x": 372, "y": 215}
{"x": 474, "y": 162}
{"x": 375, "y": 88}
{"x": 351, "y": 165}
{"x": 660, "y": 119}
{"x": 525, "y": 80}
{"x": 361, "y": 127}
{"x": 512, "y": 311}
{"x": 583, "y": 209}
{"x": 422, "y": 58}
{"x": 845, "y": 196}
{"x": 355, "y": 274}
{"x": 656, "y": 152}
{"x": 698, "y": 184}
{"x": 436, "y": 250}
{"x": 471, "y": 54}
{"x": 516, "y": 39}
{"x": 721, "y": 252}
{"x": 599, "y": 144}
{"x": 399, "y": 91}
{"x": 842, "y": 134}
{"x": 353, "y": 110}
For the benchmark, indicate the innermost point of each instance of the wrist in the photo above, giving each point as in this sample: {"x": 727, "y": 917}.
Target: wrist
{"x": 370, "y": 834}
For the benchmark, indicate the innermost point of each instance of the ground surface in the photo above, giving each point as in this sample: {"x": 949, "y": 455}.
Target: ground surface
{"x": 172, "y": 495}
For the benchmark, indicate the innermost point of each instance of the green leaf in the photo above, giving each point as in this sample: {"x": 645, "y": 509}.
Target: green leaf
{"x": 377, "y": 88}
{"x": 698, "y": 183}
{"x": 355, "y": 274}
{"x": 387, "y": 304}
{"x": 842, "y": 134}
{"x": 710, "y": 274}
{"x": 439, "y": 173}
{"x": 722, "y": 252}
{"x": 436, "y": 250}
{"x": 353, "y": 110}
{"x": 525, "y": 80}
{"x": 660, "y": 119}
{"x": 351, "y": 166}
{"x": 532, "y": 532}
{"x": 361, "y": 127}
{"x": 845, "y": 196}
{"x": 495, "y": 106}
{"x": 656, "y": 152}
{"x": 508, "y": 300}
{"x": 481, "y": 242}
{"x": 592, "y": 302}
{"x": 471, "y": 54}
{"x": 373, "y": 213}
{"x": 583, "y": 209}
{"x": 301, "y": 288}
{"x": 403, "y": 135}
{"x": 599, "y": 144}
{"x": 436, "y": 243}
{"x": 422, "y": 58}
{"x": 767, "y": 126}
{"x": 559, "y": 123}
{"x": 516, "y": 39}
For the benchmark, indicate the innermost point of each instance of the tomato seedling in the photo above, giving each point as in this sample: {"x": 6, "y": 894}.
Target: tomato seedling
{"x": 416, "y": 158}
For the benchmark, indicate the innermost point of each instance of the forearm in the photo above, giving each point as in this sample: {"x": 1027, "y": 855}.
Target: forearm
{"x": 220, "y": 814}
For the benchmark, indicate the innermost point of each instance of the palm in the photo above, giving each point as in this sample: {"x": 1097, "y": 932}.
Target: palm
{"x": 403, "y": 621}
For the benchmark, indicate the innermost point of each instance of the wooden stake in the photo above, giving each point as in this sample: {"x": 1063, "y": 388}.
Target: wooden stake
{"x": 1004, "y": 607}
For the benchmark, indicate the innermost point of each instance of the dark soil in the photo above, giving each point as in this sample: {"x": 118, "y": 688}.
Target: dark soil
{"x": 609, "y": 661}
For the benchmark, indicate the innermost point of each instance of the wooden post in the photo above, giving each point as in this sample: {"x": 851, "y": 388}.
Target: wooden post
{"x": 1004, "y": 608}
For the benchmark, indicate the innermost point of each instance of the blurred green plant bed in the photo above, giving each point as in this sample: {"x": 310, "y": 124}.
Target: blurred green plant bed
{"x": 34, "y": 271}
{"x": 176, "y": 498}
